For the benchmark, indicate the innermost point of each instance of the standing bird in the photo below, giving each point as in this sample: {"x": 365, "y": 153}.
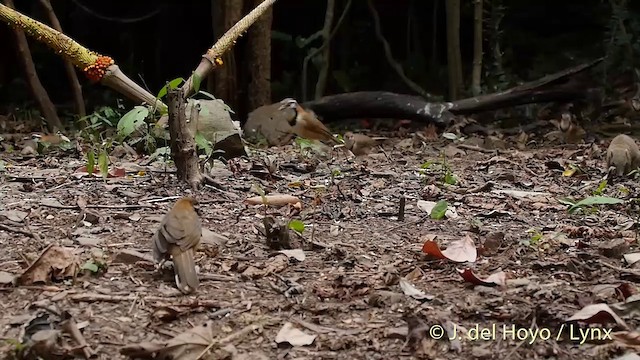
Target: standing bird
{"x": 305, "y": 123}
{"x": 360, "y": 144}
{"x": 179, "y": 234}
{"x": 623, "y": 155}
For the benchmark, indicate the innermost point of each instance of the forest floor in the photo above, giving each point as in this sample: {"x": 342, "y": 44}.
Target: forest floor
{"x": 361, "y": 289}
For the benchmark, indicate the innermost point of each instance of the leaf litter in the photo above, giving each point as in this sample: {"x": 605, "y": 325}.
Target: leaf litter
{"x": 335, "y": 262}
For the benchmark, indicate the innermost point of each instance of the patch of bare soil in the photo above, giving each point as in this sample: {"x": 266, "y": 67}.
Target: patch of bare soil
{"x": 511, "y": 273}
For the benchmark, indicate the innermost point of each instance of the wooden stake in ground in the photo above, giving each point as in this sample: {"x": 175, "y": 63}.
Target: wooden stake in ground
{"x": 183, "y": 145}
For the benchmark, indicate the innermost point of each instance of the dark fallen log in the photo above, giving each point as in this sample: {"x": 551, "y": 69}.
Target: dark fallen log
{"x": 557, "y": 87}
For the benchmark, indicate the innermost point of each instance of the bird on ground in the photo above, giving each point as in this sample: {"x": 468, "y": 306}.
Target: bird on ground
{"x": 623, "y": 155}
{"x": 305, "y": 123}
{"x": 360, "y": 144}
{"x": 177, "y": 238}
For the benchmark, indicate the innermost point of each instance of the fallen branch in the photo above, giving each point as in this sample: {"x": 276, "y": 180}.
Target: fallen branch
{"x": 18, "y": 231}
{"x": 162, "y": 301}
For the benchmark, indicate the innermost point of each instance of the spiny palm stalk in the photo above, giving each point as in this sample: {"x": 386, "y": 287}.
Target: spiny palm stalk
{"x": 91, "y": 63}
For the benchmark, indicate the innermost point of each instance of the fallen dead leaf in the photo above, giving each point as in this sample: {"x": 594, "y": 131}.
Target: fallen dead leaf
{"x": 496, "y": 279}
{"x": 463, "y": 250}
{"x": 597, "y": 313}
{"x": 274, "y": 199}
{"x": 293, "y": 336}
{"x": 185, "y": 346}
{"x": 413, "y": 292}
{"x": 276, "y": 264}
{"x": 14, "y": 215}
{"x": 6, "y": 278}
{"x": 628, "y": 338}
{"x": 632, "y": 258}
{"x": 55, "y": 263}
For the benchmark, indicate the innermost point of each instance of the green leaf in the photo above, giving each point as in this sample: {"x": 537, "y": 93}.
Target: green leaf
{"x": 91, "y": 161}
{"x": 595, "y": 200}
{"x": 449, "y": 178}
{"x": 196, "y": 82}
{"x": 297, "y": 226}
{"x": 172, "y": 85}
{"x": 103, "y": 163}
{"x": 203, "y": 144}
{"x": 600, "y": 189}
{"x": 91, "y": 266}
{"x": 132, "y": 120}
{"x": 438, "y": 211}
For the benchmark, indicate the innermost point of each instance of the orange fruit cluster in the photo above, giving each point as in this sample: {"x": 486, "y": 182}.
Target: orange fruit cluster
{"x": 96, "y": 71}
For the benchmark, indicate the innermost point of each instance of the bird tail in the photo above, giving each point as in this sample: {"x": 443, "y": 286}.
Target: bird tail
{"x": 185, "y": 269}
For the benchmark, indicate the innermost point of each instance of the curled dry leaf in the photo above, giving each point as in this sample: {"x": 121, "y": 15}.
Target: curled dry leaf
{"x": 293, "y": 336}
{"x": 599, "y": 314}
{"x": 185, "y": 346}
{"x": 55, "y": 263}
{"x": 463, "y": 250}
{"x": 274, "y": 199}
{"x": 413, "y": 292}
{"x": 496, "y": 279}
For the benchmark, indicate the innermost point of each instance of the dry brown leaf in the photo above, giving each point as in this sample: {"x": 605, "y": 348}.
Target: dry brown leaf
{"x": 628, "y": 338}
{"x": 412, "y": 291}
{"x": 55, "y": 263}
{"x": 496, "y": 279}
{"x": 14, "y": 215}
{"x": 274, "y": 199}
{"x": 463, "y": 250}
{"x": 185, "y": 346}
{"x": 276, "y": 264}
{"x": 293, "y": 336}
{"x": 597, "y": 313}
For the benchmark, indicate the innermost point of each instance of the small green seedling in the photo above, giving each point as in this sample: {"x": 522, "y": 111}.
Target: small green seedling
{"x": 297, "y": 226}
{"x": 438, "y": 212}
{"x": 589, "y": 201}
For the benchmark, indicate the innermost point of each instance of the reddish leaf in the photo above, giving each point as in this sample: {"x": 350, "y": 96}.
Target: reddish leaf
{"x": 431, "y": 248}
{"x": 495, "y": 279}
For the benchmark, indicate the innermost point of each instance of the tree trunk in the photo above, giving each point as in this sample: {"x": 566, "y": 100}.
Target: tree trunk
{"x": 76, "y": 89}
{"x": 226, "y": 14}
{"x": 259, "y": 59}
{"x": 476, "y": 74}
{"x": 454, "y": 56}
{"x": 37, "y": 90}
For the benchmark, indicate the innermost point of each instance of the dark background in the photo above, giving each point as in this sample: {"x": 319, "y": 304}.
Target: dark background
{"x": 157, "y": 41}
